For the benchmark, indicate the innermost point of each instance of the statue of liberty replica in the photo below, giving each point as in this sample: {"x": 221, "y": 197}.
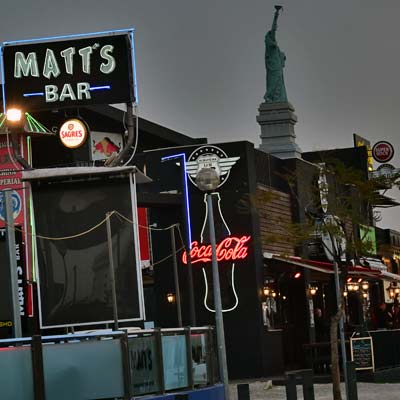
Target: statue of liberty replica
{"x": 274, "y": 64}
{"x": 276, "y": 115}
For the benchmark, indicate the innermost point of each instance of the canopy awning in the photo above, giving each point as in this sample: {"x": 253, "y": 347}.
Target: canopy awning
{"x": 327, "y": 267}
{"x": 68, "y": 172}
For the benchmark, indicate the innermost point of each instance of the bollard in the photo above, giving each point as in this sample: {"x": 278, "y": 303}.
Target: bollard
{"x": 291, "y": 391}
{"x": 308, "y": 386}
{"x": 352, "y": 380}
{"x": 243, "y": 391}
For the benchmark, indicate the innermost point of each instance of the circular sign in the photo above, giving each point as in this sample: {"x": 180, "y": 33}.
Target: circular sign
{"x": 382, "y": 151}
{"x": 210, "y": 157}
{"x": 16, "y": 205}
{"x": 73, "y": 133}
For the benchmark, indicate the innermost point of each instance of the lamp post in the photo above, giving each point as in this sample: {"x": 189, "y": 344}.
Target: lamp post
{"x": 207, "y": 180}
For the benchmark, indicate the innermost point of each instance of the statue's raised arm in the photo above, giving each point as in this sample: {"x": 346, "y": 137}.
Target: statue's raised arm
{"x": 274, "y": 64}
{"x": 275, "y": 21}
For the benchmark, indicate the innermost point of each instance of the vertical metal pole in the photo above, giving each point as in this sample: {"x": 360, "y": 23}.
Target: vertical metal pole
{"x": 12, "y": 263}
{"x": 37, "y": 368}
{"x": 111, "y": 271}
{"x": 160, "y": 360}
{"x": 341, "y": 329}
{"x": 176, "y": 277}
{"x": 126, "y": 369}
{"x": 189, "y": 357}
{"x": 219, "y": 322}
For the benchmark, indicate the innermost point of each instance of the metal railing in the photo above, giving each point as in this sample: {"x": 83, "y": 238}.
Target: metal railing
{"x": 107, "y": 364}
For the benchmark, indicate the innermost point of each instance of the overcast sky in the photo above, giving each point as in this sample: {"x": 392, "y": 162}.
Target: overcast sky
{"x": 200, "y": 64}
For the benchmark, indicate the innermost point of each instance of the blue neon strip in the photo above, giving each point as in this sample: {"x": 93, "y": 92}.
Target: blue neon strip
{"x": 75, "y": 35}
{"x": 100, "y": 87}
{"x": 183, "y": 156}
{"x": 3, "y": 89}
{"x": 33, "y": 94}
{"x": 135, "y": 91}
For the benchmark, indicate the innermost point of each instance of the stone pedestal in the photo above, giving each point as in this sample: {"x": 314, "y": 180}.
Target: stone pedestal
{"x": 277, "y": 122}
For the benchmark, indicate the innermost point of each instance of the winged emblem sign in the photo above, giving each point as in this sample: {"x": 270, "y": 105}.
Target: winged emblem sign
{"x": 210, "y": 157}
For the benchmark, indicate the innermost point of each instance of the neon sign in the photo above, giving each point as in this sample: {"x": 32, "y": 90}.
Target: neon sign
{"x": 230, "y": 249}
{"x": 74, "y": 71}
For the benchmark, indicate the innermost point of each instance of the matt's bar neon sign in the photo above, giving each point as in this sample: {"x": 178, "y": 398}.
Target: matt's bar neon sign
{"x": 231, "y": 248}
{"x": 71, "y": 72}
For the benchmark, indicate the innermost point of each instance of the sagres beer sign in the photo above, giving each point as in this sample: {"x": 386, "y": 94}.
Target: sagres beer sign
{"x": 73, "y": 71}
{"x": 73, "y": 133}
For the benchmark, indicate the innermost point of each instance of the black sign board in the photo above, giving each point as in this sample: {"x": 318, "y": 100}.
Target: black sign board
{"x": 68, "y": 73}
{"x": 362, "y": 352}
{"x": 74, "y": 282}
{"x": 5, "y": 283}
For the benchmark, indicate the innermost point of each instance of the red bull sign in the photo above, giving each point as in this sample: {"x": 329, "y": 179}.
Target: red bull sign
{"x": 105, "y": 145}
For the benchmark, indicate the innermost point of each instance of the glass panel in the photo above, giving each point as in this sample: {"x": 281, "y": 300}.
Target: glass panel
{"x": 175, "y": 362}
{"x": 16, "y": 380}
{"x": 84, "y": 370}
{"x": 199, "y": 357}
{"x": 143, "y": 360}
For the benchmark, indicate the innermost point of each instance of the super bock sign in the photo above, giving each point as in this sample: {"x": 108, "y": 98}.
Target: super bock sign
{"x": 48, "y": 73}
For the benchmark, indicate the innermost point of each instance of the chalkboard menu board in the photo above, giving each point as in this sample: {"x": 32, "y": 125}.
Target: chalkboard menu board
{"x": 362, "y": 352}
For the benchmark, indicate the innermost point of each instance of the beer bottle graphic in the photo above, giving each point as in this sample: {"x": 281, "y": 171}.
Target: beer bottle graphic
{"x": 226, "y": 269}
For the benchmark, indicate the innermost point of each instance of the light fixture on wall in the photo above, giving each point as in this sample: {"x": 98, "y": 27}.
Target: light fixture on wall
{"x": 365, "y": 285}
{"x": 353, "y": 287}
{"x": 266, "y": 291}
{"x": 313, "y": 290}
{"x": 393, "y": 290}
{"x": 171, "y": 298}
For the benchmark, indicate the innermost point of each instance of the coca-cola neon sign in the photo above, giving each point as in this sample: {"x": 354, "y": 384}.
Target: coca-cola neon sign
{"x": 231, "y": 248}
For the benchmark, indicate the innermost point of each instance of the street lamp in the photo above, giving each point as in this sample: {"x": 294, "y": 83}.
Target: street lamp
{"x": 15, "y": 122}
{"x": 14, "y": 115}
{"x": 207, "y": 181}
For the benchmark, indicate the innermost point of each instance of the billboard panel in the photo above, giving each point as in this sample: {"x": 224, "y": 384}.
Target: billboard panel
{"x": 75, "y": 285}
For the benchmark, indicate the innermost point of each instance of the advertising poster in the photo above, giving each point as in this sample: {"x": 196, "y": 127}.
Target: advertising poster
{"x": 105, "y": 145}
{"x": 10, "y": 178}
{"x": 143, "y": 365}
